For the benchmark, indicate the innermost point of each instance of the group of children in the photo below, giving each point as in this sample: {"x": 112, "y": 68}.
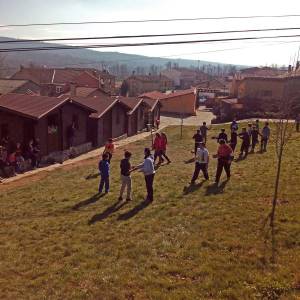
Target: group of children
{"x": 14, "y": 157}
{"x": 249, "y": 136}
{"x": 147, "y": 168}
{"x": 250, "y": 139}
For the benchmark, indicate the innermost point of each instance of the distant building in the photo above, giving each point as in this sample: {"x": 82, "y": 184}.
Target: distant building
{"x": 18, "y": 86}
{"x": 138, "y": 84}
{"x": 256, "y": 74}
{"x": 57, "y": 81}
{"x": 185, "y": 78}
{"x": 179, "y": 103}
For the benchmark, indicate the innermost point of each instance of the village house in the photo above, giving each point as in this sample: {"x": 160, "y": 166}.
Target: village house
{"x": 47, "y": 119}
{"x": 109, "y": 119}
{"x": 18, "y": 86}
{"x": 137, "y": 115}
{"x": 57, "y": 81}
{"x": 179, "y": 103}
{"x": 136, "y": 85}
{"x": 185, "y": 78}
{"x": 255, "y": 73}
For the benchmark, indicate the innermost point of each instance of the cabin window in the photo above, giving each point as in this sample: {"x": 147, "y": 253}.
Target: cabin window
{"x": 4, "y": 130}
{"x": 58, "y": 89}
{"x": 75, "y": 121}
{"x": 52, "y": 124}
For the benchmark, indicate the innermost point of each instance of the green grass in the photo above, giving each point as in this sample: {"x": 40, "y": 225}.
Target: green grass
{"x": 60, "y": 241}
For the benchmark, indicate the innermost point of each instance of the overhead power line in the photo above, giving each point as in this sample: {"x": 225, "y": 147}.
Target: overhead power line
{"x": 151, "y": 20}
{"x": 94, "y": 46}
{"x": 148, "y": 35}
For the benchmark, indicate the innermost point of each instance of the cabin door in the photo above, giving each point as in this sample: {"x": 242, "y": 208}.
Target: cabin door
{"x": 53, "y": 133}
{"x": 28, "y": 132}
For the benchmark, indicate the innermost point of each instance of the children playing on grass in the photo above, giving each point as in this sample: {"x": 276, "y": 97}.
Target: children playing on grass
{"x": 203, "y": 131}
{"x": 265, "y": 135}
{"x": 222, "y": 136}
{"x": 244, "y": 135}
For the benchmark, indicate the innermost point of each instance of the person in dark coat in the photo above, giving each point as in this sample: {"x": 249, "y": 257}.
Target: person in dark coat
{"x": 198, "y": 139}
{"x": 233, "y": 139}
{"x": 222, "y": 136}
{"x": 254, "y": 138}
{"x": 244, "y": 135}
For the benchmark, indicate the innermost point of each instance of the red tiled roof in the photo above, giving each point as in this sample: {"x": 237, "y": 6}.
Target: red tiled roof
{"x": 100, "y": 104}
{"x": 152, "y": 95}
{"x": 177, "y": 93}
{"x": 10, "y": 85}
{"x": 57, "y": 75}
{"x": 34, "y": 107}
{"x": 131, "y": 102}
{"x": 151, "y": 103}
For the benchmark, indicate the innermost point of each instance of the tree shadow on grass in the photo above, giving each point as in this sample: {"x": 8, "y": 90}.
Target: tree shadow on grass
{"x": 106, "y": 213}
{"x": 216, "y": 189}
{"x": 134, "y": 211}
{"x": 192, "y": 188}
{"x": 86, "y": 202}
{"x": 92, "y": 176}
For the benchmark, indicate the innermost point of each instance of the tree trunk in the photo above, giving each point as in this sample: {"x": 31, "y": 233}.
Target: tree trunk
{"x": 274, "y": 202}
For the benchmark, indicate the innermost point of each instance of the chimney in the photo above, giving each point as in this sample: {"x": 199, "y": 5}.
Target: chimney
{"x": 73, "y": 89}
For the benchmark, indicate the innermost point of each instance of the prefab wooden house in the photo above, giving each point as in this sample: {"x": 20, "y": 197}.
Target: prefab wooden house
{"x": 48, "y": 119}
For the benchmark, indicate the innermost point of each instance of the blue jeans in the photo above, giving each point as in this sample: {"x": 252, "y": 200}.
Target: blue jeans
{"x": 104, "y": 181}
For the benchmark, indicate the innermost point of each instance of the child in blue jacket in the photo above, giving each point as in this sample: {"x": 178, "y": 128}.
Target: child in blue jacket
{"x": 104, "y": 173}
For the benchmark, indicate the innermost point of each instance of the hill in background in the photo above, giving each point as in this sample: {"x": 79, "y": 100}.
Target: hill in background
{"x": 119, "y": 64}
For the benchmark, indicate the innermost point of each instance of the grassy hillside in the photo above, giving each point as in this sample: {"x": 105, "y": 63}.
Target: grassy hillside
{"x": 60, "y": 240}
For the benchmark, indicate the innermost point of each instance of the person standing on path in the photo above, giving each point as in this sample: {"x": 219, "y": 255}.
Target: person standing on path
{"x": 164, "y": 144}
{"x": 147, "y": 167}
{"x": 265, "y": 135}
{"x": 198, "y": 139}
{"x": 203, "y": 131}
{"x": 225, "y": 158}
{"x": 244, "y": 135}
{"x": 202, "y": 160}
{"x": 234, "y": 125}
{"x": 233, "y": 139}
{"x": 104, "y": 169}
{"x": 126, "y": 169}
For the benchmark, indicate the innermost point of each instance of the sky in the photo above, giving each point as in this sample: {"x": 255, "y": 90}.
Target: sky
{"x": 263, "y": 52}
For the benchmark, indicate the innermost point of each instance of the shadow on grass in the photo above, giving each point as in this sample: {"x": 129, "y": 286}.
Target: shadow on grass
{"x": 240, "y": 158}
{"x": 86, "y": 202}
{"x": 192, "y": 188}
{"x": 106, "y": 213}
{"x": 134, "y": 211}
{"x": 92, "y": 176}
{"x": 189, "y": 161}
{"x": 216, "y": 189}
